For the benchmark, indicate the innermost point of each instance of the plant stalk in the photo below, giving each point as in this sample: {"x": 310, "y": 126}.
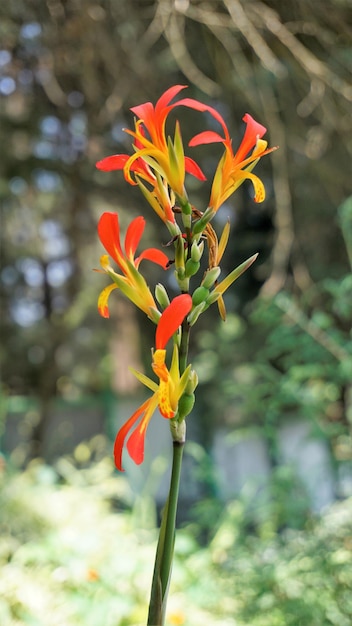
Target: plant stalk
{"x": 166, "y": 541}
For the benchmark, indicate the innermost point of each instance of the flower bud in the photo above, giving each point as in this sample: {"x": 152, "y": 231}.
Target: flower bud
{"x": 179, "y": 253}
{"x": 210, "y": 277}
{"x": 154, "y": 314}
{"x": 161, "y": 296}
{"x": 192, "y": 382}
{"x": 192, "y": 267}
{"x": 185, "y": 405}
{"x": 200, "y": 295}
{"x": 195, "y": 313}
{"x": 173, "y": 228}
{"x": 197, "y": 251}
{"x": 200, "y": 224}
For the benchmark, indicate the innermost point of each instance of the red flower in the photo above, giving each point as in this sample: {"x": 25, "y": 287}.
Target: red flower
{"x": 130, "y": 282}
{"x": 169, "y": 390}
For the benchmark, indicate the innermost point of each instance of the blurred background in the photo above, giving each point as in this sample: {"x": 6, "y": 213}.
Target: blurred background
{"x": 265, "y": 508}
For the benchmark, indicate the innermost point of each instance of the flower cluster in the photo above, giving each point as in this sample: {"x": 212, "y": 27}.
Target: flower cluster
{"x": 159, "y": 166}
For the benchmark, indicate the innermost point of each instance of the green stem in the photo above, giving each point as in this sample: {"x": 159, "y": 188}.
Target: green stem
{"x": 183, "y": 352}
{"x": 166, "y": 541}
{"x": 165, "y": 548}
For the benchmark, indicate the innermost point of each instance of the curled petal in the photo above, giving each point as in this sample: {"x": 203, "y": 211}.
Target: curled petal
{"x": 155, "y": 255}
{"x": 171, "y": 318}
{"x": 259, "y": 189}
{"x": 253, "y": 131}
{"x": 193, "y": 168}
{"x": 199, "y": 106}
{"x": 159, "y": 366}
{"x": 208, "y": 136}
{"x": 103, "y": 300}
{"x": 168, "y": 95}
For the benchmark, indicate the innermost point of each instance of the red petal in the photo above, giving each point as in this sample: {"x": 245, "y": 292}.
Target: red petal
{"x": 208, "y": 136}
{"x": 136, "y": 443}
{"x": 155, "y": 255}
{"x": 145, "y": 112}
{"x": 114, "y": 162}
{"x": 252, "y": 132}
{"x": 193, "y": 168}
{"x": 171, "y": 319}
{"x": 199, "y": 106}
{"x": 167, "y": 96}
{"x": 122, "y": 434}
{"x": 133, "y": 236}
{"x": 109, "y": 235}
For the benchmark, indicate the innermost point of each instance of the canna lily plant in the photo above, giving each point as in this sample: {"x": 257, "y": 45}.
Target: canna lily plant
{"x": 158, "y": 165}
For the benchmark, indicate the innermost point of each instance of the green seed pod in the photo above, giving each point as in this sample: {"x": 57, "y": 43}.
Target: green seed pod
{"x": 200, "y": 295}
{"x": 192, "y": 267}
{"x": 185, "y": 405}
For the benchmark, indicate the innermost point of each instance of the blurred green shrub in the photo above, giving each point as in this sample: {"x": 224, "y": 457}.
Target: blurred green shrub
{"x": 73, "y": 552}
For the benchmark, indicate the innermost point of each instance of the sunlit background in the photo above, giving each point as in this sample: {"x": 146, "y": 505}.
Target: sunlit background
{"x": 265, "y": 510}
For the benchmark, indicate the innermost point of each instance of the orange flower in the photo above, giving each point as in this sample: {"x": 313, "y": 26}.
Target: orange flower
{"x": 131, "y": 282}
{"x": 169, "y": 390}
{"x": 156, "y": 154}
{"x": 233, "y": 169}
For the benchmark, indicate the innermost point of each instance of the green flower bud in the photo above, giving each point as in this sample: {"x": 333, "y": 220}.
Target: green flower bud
{"x": 154, "y": 315}
{"x": 210, "y": 277}
{"x": 173, "y": 228}
{"x": 195, "y": 313}
{"x": 192, "y": 267}
{"x": 192, "y": 382}
{"x": 161, "y": 296}
{"x": 200, "y": 295}
{"x": 180, "y": 253}
{"x": 197, "y": 251}
{"x": 185, "y": 405}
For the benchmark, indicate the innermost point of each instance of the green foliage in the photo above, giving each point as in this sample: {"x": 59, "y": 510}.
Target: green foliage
{"x": 293, "y": 358}
{"x": 72, "y": 551}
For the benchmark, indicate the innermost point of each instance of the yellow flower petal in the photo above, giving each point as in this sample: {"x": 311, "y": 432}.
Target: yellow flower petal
{"x": 103, "y": 300}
